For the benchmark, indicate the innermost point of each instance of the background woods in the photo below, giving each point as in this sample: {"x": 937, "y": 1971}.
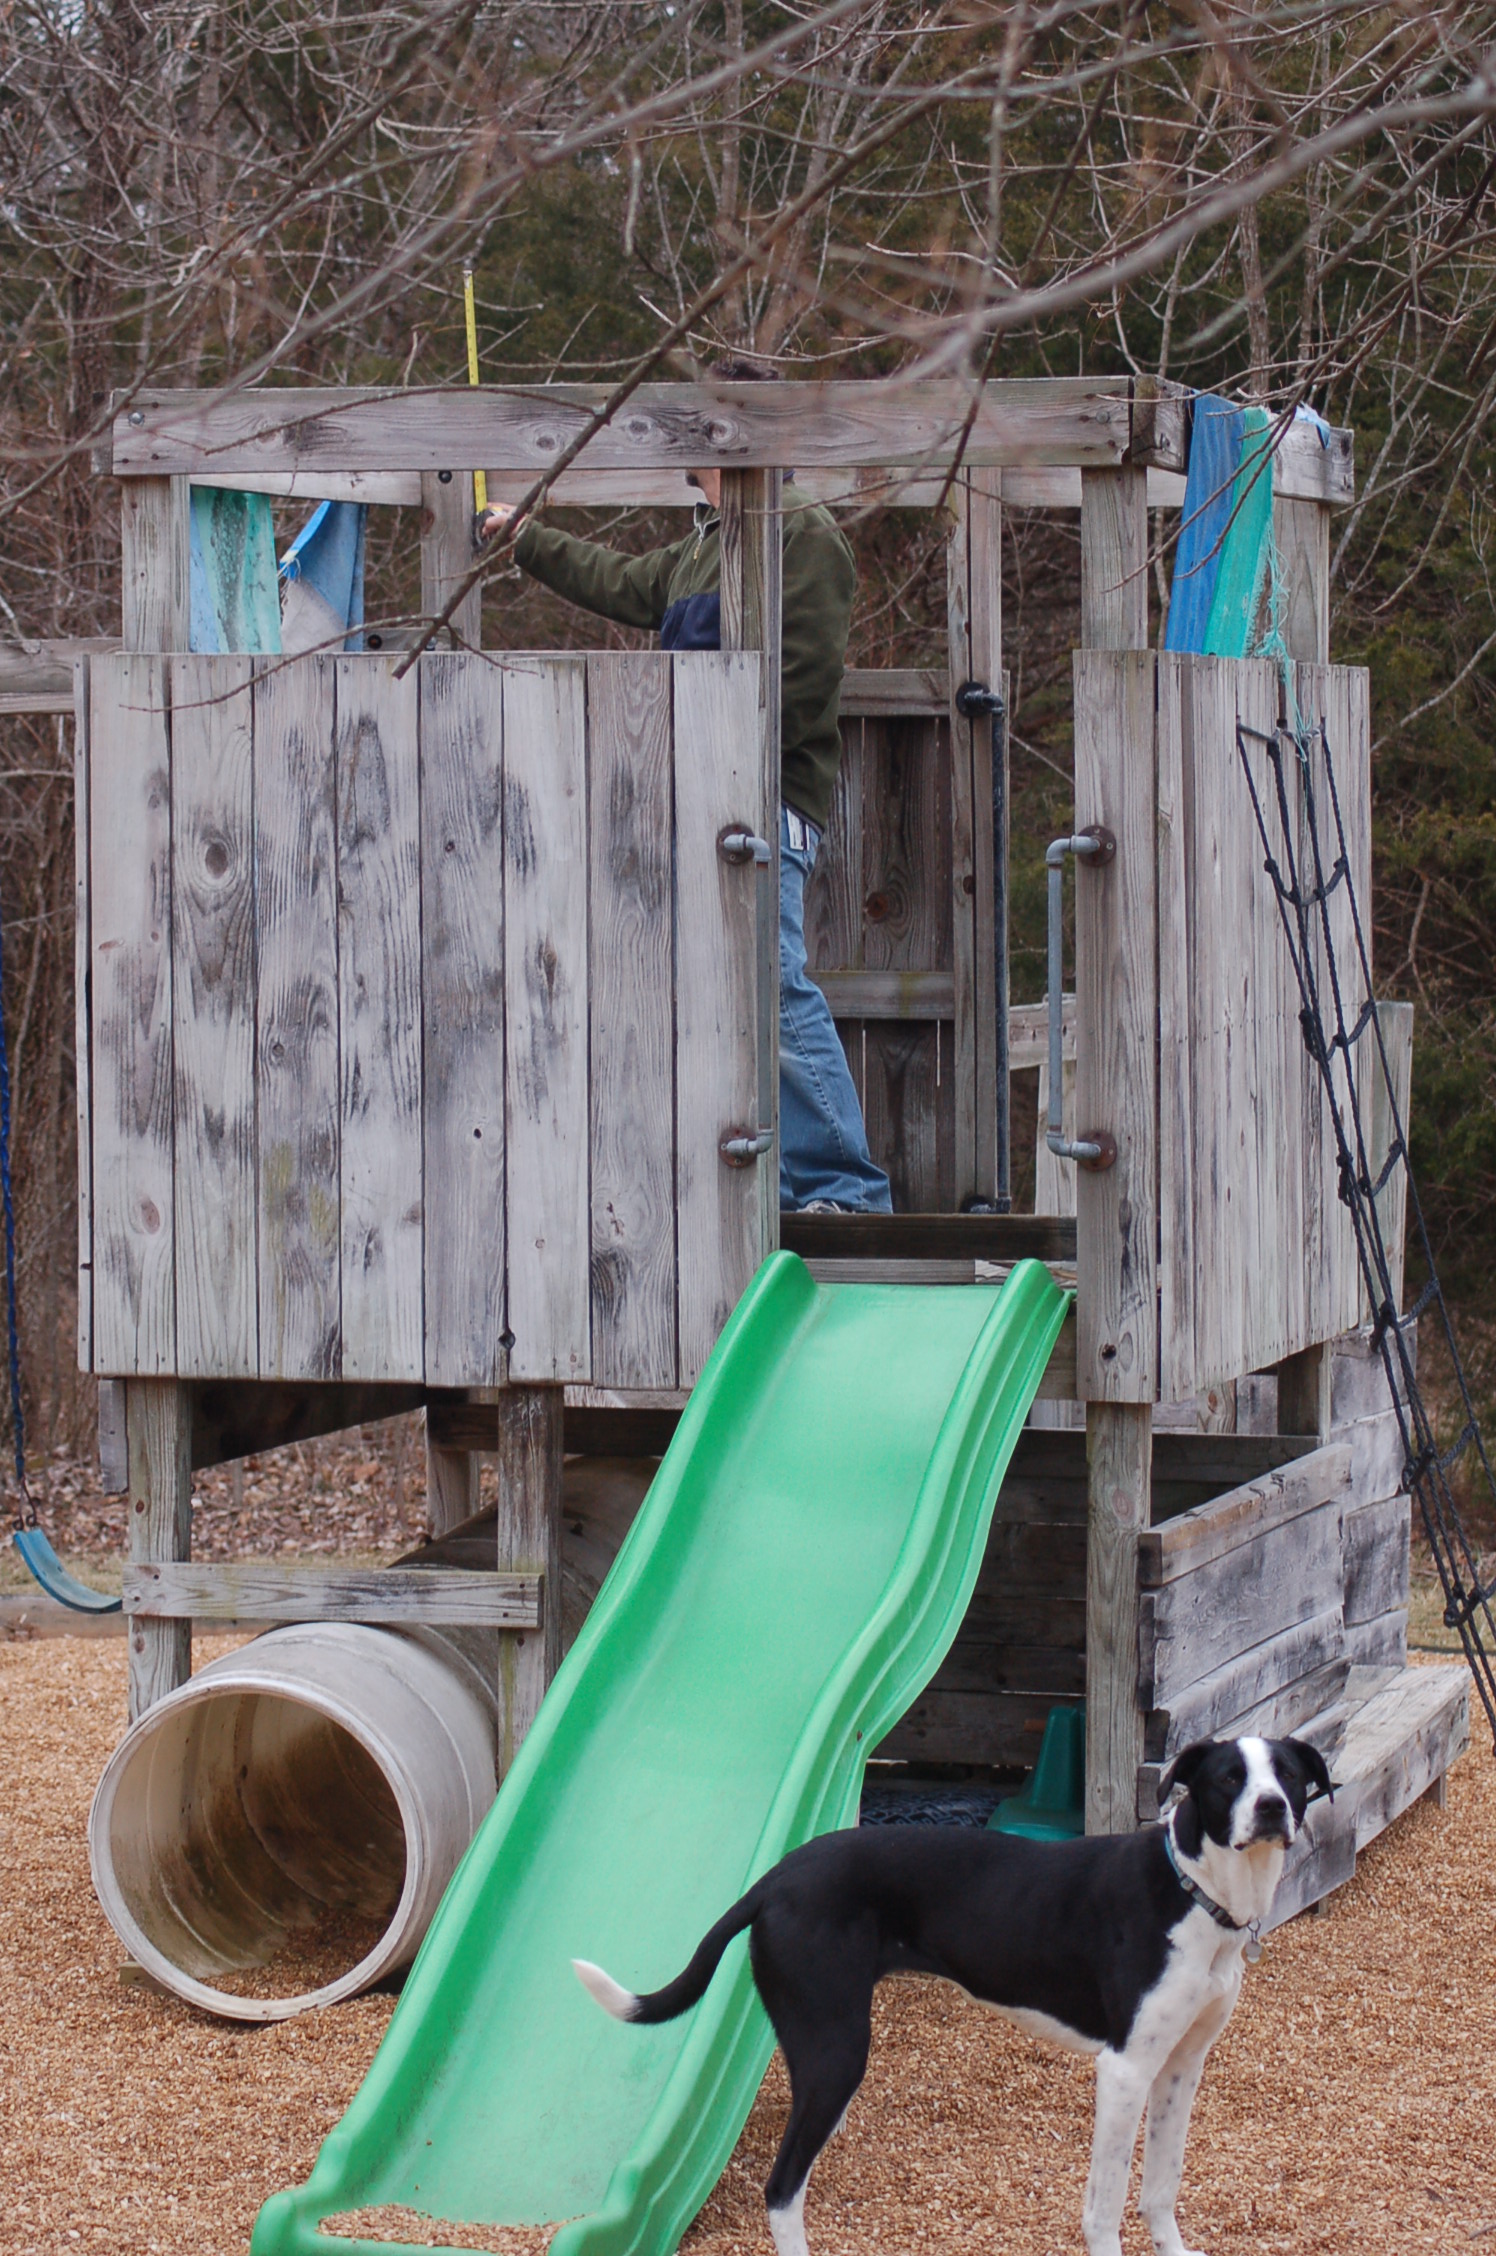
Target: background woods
{"x": 1295, "y": 200}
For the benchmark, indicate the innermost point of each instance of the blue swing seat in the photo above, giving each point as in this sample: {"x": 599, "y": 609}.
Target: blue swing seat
{"x": 54, "y": 1578}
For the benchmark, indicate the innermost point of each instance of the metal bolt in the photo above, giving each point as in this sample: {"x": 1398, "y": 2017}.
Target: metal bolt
{"x": 444, "y": 477}
{"x": 137, "y": 415}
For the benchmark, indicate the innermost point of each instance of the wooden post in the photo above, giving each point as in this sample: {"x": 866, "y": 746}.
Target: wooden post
{"x": 1304, "y": 1392}
{"x": 1119, "y": 1434}
{"x": 451, "y": 1487}
{"x": 1301, "y": 530}
{"x": 158, "y": 1424}
{"x": 155, "y": 563}
{"x": 1119, "y": 1466}
{"x": 974, "y": 604}
{"x": 752, "y": 607}
{"x": 447, "y": 552}
{"x": 529, "y": 1422}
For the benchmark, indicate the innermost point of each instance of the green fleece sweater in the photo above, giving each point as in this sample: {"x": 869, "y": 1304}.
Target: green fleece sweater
{"x": 819, "y": 582}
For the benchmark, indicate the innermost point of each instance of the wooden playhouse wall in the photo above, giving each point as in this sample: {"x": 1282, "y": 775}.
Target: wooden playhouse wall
{"x": 419, "y": 1010}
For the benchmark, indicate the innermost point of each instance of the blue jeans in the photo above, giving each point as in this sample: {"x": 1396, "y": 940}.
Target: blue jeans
{"x": 823, "y": 1150}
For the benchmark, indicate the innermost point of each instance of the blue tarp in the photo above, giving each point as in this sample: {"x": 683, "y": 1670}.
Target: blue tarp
{"x": 323, "y": 578}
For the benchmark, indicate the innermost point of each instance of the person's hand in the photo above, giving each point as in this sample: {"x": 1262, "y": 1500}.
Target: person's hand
{"x": 493, "y": 520}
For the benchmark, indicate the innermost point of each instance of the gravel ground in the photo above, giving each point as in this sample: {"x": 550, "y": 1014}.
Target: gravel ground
{"x": 1351, "y": 2105}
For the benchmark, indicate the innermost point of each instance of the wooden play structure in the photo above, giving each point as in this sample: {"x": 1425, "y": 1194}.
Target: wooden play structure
{"x": 427, "y": 1024}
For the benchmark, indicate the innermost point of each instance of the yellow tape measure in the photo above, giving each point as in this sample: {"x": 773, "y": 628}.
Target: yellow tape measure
{"x": 480, "y": 479}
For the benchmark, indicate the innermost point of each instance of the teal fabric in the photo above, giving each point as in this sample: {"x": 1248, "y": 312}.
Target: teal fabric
{"x": 235, "y": 594}
{"x": 1246, "y": 548}
{"x": 1215, "y": 457}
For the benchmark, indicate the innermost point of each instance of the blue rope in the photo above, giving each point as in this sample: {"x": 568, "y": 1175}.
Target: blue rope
{"x": 26, "y": 1516}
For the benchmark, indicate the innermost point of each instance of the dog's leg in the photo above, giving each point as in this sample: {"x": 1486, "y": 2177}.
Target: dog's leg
{"x": 1121, "y": 2095}
{"x": 1169, "y": 2105}
{"x": 820, "y": 2003}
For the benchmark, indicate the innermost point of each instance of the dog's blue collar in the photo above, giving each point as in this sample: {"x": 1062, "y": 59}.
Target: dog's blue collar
{"x": 1252, "y": 1929}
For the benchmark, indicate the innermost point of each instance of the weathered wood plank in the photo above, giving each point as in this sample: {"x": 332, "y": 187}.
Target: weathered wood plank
{"x": 1301, "y": 532}
{"x": 1298, "y": 475}
{"x": 631, "y": 985}
{"x": 1392, "y": 1200}
{"x": 907, "y": 1104}
{"x": 886, "y": 692}
{"x": 1381, "y": 1642}
{"x": 717, "y": 783}
{"x": 751, "y": 542}
{"x": 447, "y": 553}
{"x": 528, "y": 1423}
{"x": 1119, "y": 1446}
{"x": 1243, "y": 1515}
{"x": 546, "y": 1005}
{"x": 1177, "y": 1359}
{"x": 251, "y": 1591}
{"x": 1193, "y": 1626}
{"x": 888, "y": 994}
{"x": 213, "y": 1010}
{"x": 1377, "y": 1457}
{"x": 1002, "y": 1728}
{"x": 82, "y": 1011}
{"x": 1116, "y": 1086}
{"x": 1079, "y": 420}
{"x": 1377, "y": 1542}
{"x": 154, "y": 563}
{"x": 1251, "y": 1690}
{"x": 453, "y": 1488}
{"x": 379, "y": 1019}
{"x": 1404, "y": 1738}
{"x": 300, "y": 1286}
{"x": 462, "y": 1005}
{"x": 931, "y": 1237}
{"x": 243, "y": 1417}
{"x": 130, "y": 890}
{"x": 158, "y": 1420}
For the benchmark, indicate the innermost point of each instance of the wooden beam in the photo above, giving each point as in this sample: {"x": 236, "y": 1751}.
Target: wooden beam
{"x": 158, "y": 1423}
{"x": 452, "y": 1485}
{"x": 1304, "y": 1392}
{"x": 244, "y": 1417}
{"x": 974, "y": 646}
{"x": 1114, "y": 560}
{"x": 155, "y": 563}
{"x": 528, "y": 1431}
{"x": 1119, "y": 1465}
{"x": 1083, "y": 421}
{"x": 1301, "y": 531}
{"x": 930, "y": 1237}
{"x": 1195, "y": 1539}
{"x": 249, "y": 1591}
{"x": 447, "y": 552}
{"x": 38, "y": 677}
{"x": 891, "y": 692}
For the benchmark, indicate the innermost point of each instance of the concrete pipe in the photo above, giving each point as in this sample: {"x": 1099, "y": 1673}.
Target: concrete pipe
{"x": 277, "y": 1833}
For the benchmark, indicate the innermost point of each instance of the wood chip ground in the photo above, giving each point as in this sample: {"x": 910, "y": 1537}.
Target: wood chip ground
{"x": 1350, "y": 2107}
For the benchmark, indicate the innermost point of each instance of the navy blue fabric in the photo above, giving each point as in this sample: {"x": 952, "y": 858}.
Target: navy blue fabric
{"x": 693, "y": 623}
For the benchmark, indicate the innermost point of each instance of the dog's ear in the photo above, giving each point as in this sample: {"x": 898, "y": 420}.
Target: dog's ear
{"x": 1182, "y": 1769}
{"x": 1312, "y": 1765}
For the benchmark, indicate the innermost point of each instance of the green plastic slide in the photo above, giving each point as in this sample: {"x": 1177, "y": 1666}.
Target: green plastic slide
{"x": 794, "y": 1577}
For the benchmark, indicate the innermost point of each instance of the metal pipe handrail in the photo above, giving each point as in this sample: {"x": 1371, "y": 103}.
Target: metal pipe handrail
{"x": 1097, "y": 846}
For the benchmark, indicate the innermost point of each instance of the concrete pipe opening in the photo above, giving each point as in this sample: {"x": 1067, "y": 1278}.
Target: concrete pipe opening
{"x": 277, "y": 1834}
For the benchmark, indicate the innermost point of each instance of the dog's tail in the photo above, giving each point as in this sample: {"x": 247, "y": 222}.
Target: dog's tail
{"x": 683, "y": 1992}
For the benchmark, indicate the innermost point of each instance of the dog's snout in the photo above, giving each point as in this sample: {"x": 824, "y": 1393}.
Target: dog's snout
{"x": 1272, "y": 1819}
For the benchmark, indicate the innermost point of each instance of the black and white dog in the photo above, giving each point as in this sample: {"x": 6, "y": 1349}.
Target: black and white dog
{"x": 1128, "y": 1946}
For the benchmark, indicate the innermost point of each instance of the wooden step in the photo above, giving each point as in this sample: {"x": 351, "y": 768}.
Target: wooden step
{"x": 1391, "y": 1737}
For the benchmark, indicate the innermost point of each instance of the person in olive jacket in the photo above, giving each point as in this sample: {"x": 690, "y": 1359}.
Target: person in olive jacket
{"x": 824, "y": 1164}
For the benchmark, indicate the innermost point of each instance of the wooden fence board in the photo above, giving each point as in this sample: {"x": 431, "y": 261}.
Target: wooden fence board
{"x": 1244, "y": 1514}
{"x": 546, "y": 1002}
{"x": 130, "y": 863}
{"x": 300, "y": 1285}
{"x": 213, "y": 1009}
{"x": 632, "y": 1021}
{"x": 1117, "y": 1023}
{"x": 462, "y": 1003}
{"x": 1377, "y": 1558}
{"x": 253, "y": 1591}
{"x": 716, "y": 783}
{"x": 379, "y": 1018}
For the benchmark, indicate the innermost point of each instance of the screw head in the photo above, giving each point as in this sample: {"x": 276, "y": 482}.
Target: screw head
{"x": 137, "y": 415}
{"x": 444, "y": 477}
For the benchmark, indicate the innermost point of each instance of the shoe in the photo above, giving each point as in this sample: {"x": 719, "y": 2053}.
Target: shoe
{"x": 825, "y": 1206}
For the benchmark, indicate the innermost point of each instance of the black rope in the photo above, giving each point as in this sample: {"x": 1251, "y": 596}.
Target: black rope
{"x": 1304, "y": 896}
